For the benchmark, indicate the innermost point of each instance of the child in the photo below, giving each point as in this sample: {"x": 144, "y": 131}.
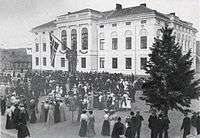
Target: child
{"x": 23, "y": 131}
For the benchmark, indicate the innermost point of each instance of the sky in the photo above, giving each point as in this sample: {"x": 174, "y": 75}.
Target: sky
{"x": 18, "y": 17}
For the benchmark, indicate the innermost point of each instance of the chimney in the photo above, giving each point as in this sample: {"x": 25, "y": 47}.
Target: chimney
{"x": 118, "y": 6}
{"x": 143, "y": 4}
{"x": 173, "y": 13}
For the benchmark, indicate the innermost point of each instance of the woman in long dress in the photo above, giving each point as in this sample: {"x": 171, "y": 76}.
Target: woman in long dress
{"x": 90, "y": 125}
{"x": 9, "y": 121}
{"x": 106, "y": 125}
{"x": 57, "y": 112}
{"x": 33, "y": 111}
{"x": 42, "y": 113}
{"x": 50, "y": 116}
{"x": 63, "y": 111}
{"x": 83, "y": 127}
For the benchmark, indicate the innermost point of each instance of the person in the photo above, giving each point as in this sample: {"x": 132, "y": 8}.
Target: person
{"x": 46, "y": 109}
{"x": 106, "y": 125}
{"x": 133, "y": 123}
{"x": 50, "y": 116}
{"x": 83, "y": 127}
{"x": 23, "y": 131}
{"x": 3, "y": 105}
{"x": 57, "y": 112}
{"x": 186, "y": 125}
{"x": 9, "y": 121}
{"x": 23, "y": 116}
{"x": 42, "y": 112}
{"x": 63, "y": 111}
{"x": 166, "y": 123}
{"x": 198, "y": 123}
{"x": 16, "y": 115}
{"x": 139, "y": 120}
{"x": 160, "y": 125}
{"x": 90, "y": 125}
{"x": 33, "y": 111}
{"x": 129, "y": 132}
{"x": 153, "y": 122}
{"x": 118, "y": 129}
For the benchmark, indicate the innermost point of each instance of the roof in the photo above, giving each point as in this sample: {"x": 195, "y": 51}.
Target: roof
{"x": 15, "y": 55}
{"x": 81, "y": 11}
{"x": 130, "y": 11}
{"x": 48, "y": 25}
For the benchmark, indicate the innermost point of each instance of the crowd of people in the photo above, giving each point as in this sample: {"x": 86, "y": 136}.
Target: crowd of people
{"x": 84, "y": 93}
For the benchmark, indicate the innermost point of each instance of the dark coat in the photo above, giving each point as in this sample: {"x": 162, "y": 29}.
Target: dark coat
{"x": 129, "y": 133}
{"x": 118, "y": 130}
{"x": 153, "y": 122}
{"x": 186, "y": 125}
{"x": 198, "y": 124}
{"x": 22, "y": 131}
{"x": 16, "y": 116}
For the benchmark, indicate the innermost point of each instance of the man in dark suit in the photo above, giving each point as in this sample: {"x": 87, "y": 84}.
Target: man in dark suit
{"x": 153, "y": 124}
{"x": 186, "y": 125}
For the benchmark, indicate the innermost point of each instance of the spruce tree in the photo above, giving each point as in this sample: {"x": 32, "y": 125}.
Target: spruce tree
{"x": 171, "y": 84}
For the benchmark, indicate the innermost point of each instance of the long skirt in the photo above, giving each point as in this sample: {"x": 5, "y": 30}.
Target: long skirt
{"x": 83, "y": 129}
{"x": 90, "y": 130}
{"x": 33, "y": 117}
{"x": 9, "y": 123}
{"x": 105, "y": 128}
{"x": 50, "y": 118}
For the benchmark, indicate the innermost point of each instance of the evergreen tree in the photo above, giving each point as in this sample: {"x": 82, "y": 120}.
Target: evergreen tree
{"x": 171, "y": 84}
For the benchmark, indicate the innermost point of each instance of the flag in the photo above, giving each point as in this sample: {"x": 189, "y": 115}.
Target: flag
{"x": 54, "y": 44}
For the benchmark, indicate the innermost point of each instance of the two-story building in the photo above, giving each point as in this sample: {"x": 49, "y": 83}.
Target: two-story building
{"x": 115, "y": 41}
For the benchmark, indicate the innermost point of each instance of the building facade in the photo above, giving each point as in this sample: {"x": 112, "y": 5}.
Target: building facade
{"x": 115, "y": 41}
{"x": 15, "y": 61}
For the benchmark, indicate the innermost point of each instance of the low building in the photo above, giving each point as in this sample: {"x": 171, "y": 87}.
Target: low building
{"x": 115, "y": 41}
{"x": 15, "y": 60}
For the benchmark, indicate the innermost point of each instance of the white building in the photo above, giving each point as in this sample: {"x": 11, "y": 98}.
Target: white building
{"x": 111, "y": 41}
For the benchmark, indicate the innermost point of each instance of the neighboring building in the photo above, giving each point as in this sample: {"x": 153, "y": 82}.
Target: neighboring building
{"x": 198, "y": 56}
{"x": 15, "y": 60}
{"x": 115, "y": 41}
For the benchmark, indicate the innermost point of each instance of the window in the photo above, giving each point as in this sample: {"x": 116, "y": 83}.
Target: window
{"x": 114, "y": 25}
{"x": 102, "y": 62}
{"x": 114, "y": 63}
{"x": 143, "y": 62}
{"x": 84, "y": 38}
{"x": 44, "y": 47}
{"x": 43, "y": 32}
{"x": 128, "y": 23}
{"x": 51, "y": 31}
{"x": 64, "y": 39}
{"x": 128, "y": 42}
{"x": 128, "y": 63}
{"x": 37, "y": 47}
{"x": 37, "y": 61}
{"x": 143, "y": 42}
{"x": 44, "y": 61}
{"x": 114, "y": 43}
{"x": 36, "y": 33}
{"x": 74, "y": 39}
{"x": 62, "y": 62}
{"x": 101, "y": 26}
{"x": 83, "y": 62}
{"x": 102, "y": 42}
{"x": 143, "y": 21}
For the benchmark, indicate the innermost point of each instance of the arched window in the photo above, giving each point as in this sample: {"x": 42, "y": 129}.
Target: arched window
{"x": 74, "y": 39}
{"x": 84, "y": 38}
{"x": 114, "y": 40}
{"x": 143, "y": 39}
{"x": 128, "y": 37}
{"x": 64, "y": 39}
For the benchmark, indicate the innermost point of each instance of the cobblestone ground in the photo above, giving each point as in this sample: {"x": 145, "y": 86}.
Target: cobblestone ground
{"x": 69, "y": 130}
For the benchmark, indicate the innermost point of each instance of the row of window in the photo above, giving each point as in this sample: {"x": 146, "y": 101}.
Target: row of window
{"x": 128, "y": 63}
{"x": 44, "y": 61}
{"x": 128, "y": 43}
{"x": 127, "y": 23}
{"x": 44, "y": 48}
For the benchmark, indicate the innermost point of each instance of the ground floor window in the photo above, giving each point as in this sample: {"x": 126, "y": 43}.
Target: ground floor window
{"x": 62, "y": 62}
{"x": 44, "y": 61}
{"x": 114, "y": 63}
{"x": 37, "y": 61}
{"x": 143, "y": 63}
{"x": 102, "y": 62}
{"x": 128, "y": 63}
{"x": 83, "y": 62}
